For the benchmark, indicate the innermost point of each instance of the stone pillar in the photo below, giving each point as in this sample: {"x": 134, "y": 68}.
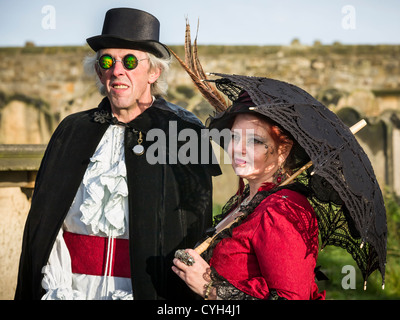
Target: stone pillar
{"x": 14, "y": 207}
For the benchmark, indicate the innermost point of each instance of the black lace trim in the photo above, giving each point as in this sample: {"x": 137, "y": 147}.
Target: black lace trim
{"x": 227, "y": 291}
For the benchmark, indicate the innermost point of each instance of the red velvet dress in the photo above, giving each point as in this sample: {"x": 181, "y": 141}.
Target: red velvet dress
{"x": 275, "y": 247}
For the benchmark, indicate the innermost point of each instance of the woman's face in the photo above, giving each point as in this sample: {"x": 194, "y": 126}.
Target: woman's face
{"x": 254, "y": 155}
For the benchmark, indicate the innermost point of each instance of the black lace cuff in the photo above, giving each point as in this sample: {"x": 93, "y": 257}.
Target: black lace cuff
{"x": 226, "y": 291}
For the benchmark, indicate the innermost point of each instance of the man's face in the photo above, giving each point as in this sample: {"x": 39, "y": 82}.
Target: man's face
{"x": 127, "y": 89}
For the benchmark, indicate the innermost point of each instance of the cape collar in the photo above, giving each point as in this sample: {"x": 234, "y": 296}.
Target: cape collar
{"x": 143, "y": 121}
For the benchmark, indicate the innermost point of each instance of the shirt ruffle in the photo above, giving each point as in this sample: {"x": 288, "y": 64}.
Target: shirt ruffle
{"x": 106, "y": 190}
{"x": 57, "y": 279}
{"x": 100, "y": 208}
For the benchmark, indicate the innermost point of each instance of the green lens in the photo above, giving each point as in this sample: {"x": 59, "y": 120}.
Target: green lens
{"x": 130, "y": 61}
{"x": 106, "y": 62}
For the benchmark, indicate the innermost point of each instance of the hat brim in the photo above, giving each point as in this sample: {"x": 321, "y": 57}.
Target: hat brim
{"x": 226, "y": 118}
{"x": 107, "y": 41}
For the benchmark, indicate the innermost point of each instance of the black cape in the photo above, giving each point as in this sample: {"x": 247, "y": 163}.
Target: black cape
{"x": 170, "y": 205}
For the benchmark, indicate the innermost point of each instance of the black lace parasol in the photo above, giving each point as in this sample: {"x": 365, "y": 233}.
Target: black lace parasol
{"x": 343, "y": 188}
{"x": 345, "y": 192}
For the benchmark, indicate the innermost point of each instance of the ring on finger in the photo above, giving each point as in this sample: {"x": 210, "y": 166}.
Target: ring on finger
{"x": 185, "y": 257}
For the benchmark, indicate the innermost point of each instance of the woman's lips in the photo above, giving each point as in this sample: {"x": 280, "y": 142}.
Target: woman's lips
{"x": 239, "y": 162}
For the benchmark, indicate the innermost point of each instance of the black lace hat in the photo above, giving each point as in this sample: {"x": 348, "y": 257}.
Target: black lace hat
{"x": 243, "y": 104}
{"x": 225, "y": 118}
{"x": 130, "y": 29}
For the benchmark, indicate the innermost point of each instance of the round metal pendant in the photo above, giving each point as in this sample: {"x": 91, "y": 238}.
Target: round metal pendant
{"x": 138, "y": 149}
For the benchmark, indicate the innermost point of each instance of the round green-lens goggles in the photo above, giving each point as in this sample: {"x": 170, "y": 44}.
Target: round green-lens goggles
{"x": 130, "y": 62}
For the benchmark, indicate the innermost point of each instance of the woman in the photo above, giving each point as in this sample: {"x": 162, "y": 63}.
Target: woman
{"x": 271, "y": 252}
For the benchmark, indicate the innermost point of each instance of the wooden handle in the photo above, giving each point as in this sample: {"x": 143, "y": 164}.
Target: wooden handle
{"x": 354, "y": 129}
{"x": 203, "y": 246}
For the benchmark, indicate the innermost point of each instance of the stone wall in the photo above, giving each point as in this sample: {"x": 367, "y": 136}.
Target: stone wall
{"x": 40, "y": 86}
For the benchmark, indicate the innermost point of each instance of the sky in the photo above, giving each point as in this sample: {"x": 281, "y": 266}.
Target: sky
{"x": 222, "y": 22}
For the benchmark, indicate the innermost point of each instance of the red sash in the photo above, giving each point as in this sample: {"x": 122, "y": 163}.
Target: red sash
{"x": 89, "y": 255}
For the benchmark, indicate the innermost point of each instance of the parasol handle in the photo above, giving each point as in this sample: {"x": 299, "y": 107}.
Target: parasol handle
{"x": 354, "y": 129}
{"x": 204, "y": 245}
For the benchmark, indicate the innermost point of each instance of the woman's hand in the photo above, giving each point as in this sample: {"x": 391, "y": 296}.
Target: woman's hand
{"x": 194, "y": 275}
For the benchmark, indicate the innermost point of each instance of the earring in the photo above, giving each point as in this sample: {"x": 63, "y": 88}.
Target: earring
{"x": 279, "y": 176}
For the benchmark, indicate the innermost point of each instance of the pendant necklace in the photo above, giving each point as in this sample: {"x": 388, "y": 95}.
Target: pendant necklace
{"x": 139, "y": 149}
{"x": 102, "y": 116}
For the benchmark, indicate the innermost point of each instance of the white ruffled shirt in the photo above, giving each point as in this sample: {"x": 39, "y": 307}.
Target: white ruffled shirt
{"x": 100, "y": 208}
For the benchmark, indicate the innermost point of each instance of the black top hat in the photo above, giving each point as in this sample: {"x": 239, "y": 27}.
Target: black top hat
{"x": 130, "y": 29}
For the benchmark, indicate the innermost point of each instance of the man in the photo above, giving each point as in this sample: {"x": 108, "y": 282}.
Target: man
{"x": 104, "y": 222}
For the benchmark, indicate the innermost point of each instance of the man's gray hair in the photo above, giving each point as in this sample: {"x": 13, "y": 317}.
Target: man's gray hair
{"x": 158, "y": 88}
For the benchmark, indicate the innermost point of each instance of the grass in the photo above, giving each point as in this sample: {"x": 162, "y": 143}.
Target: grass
{"x": 332, "y": 260}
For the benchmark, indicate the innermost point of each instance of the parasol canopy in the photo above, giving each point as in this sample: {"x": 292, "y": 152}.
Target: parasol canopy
{"x": 343, "y": 187}
{"x": 344, "y": 190}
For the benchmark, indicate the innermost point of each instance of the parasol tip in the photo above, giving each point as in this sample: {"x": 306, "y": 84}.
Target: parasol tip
{"x": 358, "y": 126}
{"x": 365, "y": 285}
